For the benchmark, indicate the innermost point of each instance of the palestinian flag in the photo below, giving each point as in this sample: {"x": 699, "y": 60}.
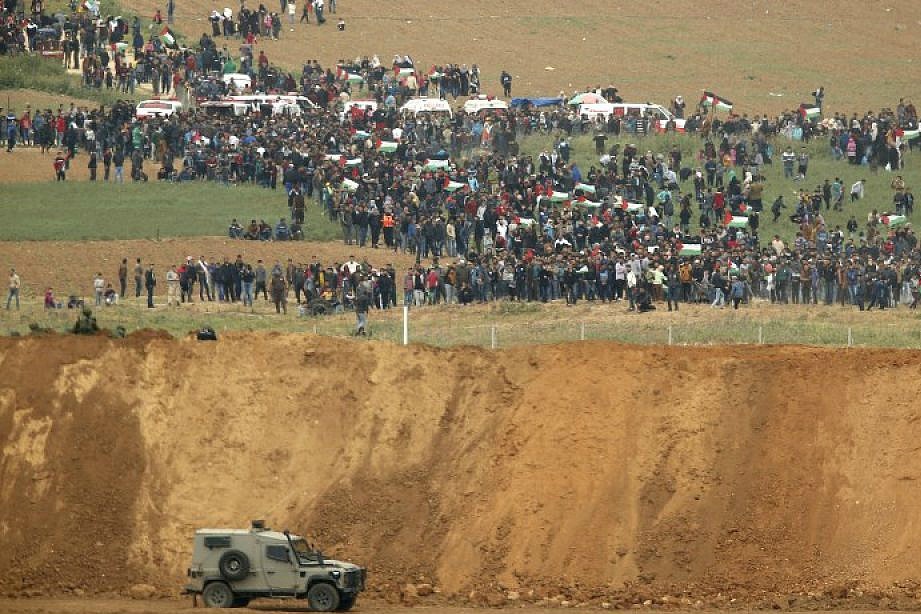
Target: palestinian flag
{"x": 334, "y": 157}
{"x": 349, "y": 186}
{"x": 908, "y": 135}
{"x": 434, "y": 165}
{"x": 709, "y": 99}
{"x": 559, "y": 197}
{"x": 738, "y": 221}
{"x": 587, "y": 204}
{"x": 453, "y": 186}
{"x": 435, "y": 75}
{"x": 809, "y": 112}
{"x": 353, "y": 162}
{"x": 690, "y": 249}
{"x": 387, "y": 146}
{"x": 168, "y": 38}
{"x": 894, "y": 221}
{"x": 403, "y": 72}
{"x": 525, "y": 221}
{"x": 633, "y": 207}
{"x": 361, "y": 135}
{"x": 586, "y": 188}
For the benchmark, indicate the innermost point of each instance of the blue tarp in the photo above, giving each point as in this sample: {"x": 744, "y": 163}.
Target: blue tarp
{"x": 537, "y": 102}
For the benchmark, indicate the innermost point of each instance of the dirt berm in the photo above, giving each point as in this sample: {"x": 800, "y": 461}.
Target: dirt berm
{"x": 580, "y": 471}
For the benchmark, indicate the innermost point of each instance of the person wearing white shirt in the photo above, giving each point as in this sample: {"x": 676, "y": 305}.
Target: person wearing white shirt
{"x": 99, "y": 287}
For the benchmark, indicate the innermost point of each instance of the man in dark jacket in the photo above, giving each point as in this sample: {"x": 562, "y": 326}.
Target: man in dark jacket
{"x": 150, "y": 282}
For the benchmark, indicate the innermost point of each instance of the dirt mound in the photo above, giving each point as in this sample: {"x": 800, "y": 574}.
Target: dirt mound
{"x": 585, "y": 472}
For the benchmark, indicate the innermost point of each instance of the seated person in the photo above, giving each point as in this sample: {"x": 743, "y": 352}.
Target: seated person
{"x": 50, "y": 303}
{"x": 265, "y": 231}
{"x": 297, "y": 232}
{"x": 252, "y": 231}
{"x": 465, "y": 297}
{"x": 235, "y": 231}
{"x": 643, "y": 300}
{"x": 110, "y": 295}
{"x": 281, "y": 231}
{"x": 74, "y": 302}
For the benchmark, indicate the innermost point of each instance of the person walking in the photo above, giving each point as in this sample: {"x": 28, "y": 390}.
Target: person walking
{"x": 150, "y": 282}
{"x": 15, "y": 285}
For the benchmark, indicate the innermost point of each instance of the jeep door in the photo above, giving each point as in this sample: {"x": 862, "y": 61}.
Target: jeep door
{"x": 281, "y": 575}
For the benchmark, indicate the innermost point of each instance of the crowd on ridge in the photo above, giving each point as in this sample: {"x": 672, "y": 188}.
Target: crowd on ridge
{"x": 454, "y": 189}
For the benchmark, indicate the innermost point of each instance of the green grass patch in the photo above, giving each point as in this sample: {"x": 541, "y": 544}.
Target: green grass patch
{"x": 76, "y": 211}
{"x": 49, "y": 75}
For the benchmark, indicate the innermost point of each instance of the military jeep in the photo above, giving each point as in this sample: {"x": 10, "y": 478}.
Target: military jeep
{"x": 232, "y": 566}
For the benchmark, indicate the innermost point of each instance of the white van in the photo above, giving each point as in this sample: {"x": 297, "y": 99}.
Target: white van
{"x": 282, "y": 104}
{"x": 157, "y": 108}
{"x": 415, "y": 106}
{"x": 482, "y": 103}
{"x": 237, "y": 82}
{"x": 661, "y": 115}
{"x": 225, "y": 108}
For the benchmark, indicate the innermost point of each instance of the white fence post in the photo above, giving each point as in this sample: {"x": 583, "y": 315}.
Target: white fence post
{"x": 493, "y": 336}
{"x": 405, "y": 324}
{"x": 850, "y": 337}
{"x": 760, "y": 335}
{"x": 582, "y": 332}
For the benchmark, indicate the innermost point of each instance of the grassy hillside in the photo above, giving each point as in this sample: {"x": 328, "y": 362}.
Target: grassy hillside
{"x": 83, "y": 211}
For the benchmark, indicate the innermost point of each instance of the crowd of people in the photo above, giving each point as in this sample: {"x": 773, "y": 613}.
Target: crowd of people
{"x": 483, "y": 220}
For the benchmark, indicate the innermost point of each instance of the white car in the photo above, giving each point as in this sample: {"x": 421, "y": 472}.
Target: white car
{"x": 415, "y": 106}
{"x": 157, "y": 108}
{"x": 621, "y": 109}
{"x": 483, "y": 103}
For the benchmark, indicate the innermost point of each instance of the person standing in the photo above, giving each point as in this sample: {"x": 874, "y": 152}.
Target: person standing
{"x": 362, "y": 306}
{"x": 123, "y": 278}
{"x": 204, "y": 280}
{"x": 15, "y": 285}
{"x": 60, "y": 167}
{"x": 138, "y": 278}
{"x": 506, "y": 81}
{"x": 279, "y": 290}
{"x": 172, "y": 286}
{"x": 150, "y": 282}
{"x": 92, "y": 165}
{"x": 99, "y": 286}
{"x": 170, "y": 10}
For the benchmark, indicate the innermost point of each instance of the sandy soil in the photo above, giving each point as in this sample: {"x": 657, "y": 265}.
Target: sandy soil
{"x": 588, "y": 473}
{"x": 69, "y": 266}
{"x": 99, "y": 606}
{"x": 765, "y": 56}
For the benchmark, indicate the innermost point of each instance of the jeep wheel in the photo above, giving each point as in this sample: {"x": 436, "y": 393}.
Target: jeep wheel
{"x": 346, "y": 603}
{"x": 233, "y": 565}
{"x": 323, "y": 597}
{"x": 217, "y": 595}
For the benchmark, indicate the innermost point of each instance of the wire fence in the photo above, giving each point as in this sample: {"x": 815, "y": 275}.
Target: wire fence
{"x": 641, "y": 331}
{"x": 496, "y": 330}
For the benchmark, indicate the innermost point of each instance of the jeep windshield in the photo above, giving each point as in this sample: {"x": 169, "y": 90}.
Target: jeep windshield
{"x": 303, "y": 551}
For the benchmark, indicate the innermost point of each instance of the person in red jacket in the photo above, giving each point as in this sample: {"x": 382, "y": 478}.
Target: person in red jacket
{"x": 60, "y": 166}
